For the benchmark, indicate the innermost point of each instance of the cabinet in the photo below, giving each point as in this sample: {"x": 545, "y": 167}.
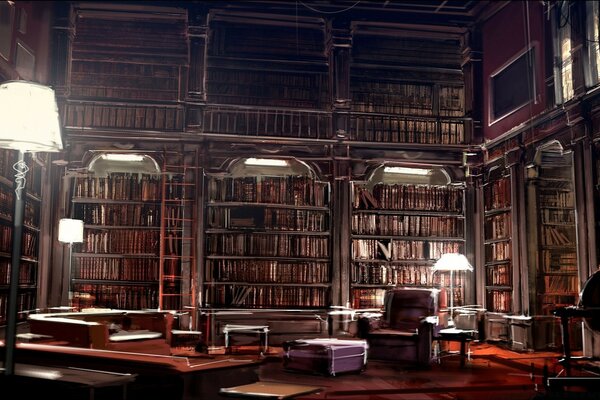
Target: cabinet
{"x": 557, "y": 274}
{"x": 399, "y": 230}
{"x": 498, "y": 244}
{"x": 267, "y": 239}
{"x": 28, "y": 268}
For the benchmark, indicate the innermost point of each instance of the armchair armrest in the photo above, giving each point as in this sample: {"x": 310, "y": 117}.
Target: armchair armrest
{"x": 369, "y": 322}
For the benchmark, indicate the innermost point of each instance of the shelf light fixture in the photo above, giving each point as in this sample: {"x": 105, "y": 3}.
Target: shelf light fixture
{"x": 267, "y": 162}
{"x": 407, "y": 171}
{"x": 29, "y": 122}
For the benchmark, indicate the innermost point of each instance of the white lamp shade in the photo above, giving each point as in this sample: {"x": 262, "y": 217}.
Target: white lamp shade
{"x": 70, "y": 230}
{"x": 29, "y": 118}
{"x": 452, "y": 262}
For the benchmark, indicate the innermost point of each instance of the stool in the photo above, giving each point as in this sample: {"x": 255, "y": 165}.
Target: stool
{"x": 261, "y": 330}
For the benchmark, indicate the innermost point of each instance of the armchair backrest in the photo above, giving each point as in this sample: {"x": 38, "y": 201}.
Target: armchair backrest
{"x": 406, "y": 308}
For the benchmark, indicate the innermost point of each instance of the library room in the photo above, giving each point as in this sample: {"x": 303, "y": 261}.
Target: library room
{"x": 300, "y": 199}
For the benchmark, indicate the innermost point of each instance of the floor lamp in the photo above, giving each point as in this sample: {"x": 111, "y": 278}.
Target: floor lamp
{"x": 452, "y": 262}
{"x": 70, "y": 231}
{"x": 29, "y": 122}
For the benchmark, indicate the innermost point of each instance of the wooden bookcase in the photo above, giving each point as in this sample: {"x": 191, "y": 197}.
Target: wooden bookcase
{"x": 557, "y": 275}
{"x": 267, "y": 240}
{"x": 498, "y": 244}
{"x": 137, "y": 251}
{"x": 406, "y": 89}
{"x": 399, "y": 230}
{"x": 29, "y": 264}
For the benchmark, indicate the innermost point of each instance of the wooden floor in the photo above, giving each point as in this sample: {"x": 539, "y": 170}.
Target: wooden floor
{"x": 492, "y": 373}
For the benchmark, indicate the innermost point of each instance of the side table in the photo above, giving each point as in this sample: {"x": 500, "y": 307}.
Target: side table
{"x": 261, "y": 330}
{"x": 464, "y": 336}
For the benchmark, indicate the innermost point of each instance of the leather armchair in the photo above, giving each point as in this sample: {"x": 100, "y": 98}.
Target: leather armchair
{"x": 405, "y": 329}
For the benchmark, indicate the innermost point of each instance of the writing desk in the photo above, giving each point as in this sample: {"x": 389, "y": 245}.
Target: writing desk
{"x": 30, "y": 380}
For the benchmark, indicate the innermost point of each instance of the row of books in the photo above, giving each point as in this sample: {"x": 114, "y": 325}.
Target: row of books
{"x": 393, "y": 250}
{"x": 559, "y": 261}
{"x": 124, "y": 69}
{"x": 557, "y": 216}
{"x": 407, "y": 225}
{"x": 127, "y": 297}
{"x": 29, "y": 242}
{"x": 408, "y": 197}
{"x": 266, "y": 121}
{"x": 119, "y": 186}
{"x": 376, "y": 95}
{"x": 268, "y": 271}
{"x": 497, "y": 226}
{"x": 127, "y": 269}
{"x": 556, "y": 236}
{"x": 404, "y": 274}
{"x": 148, "y": 116}
{"x": 499, "y": 275}
{"x": 118, "y": 214}
{"x": 30, "y": 213}
{"x": 292, "y": 190}
{"x": 497, "y": 194}
{"x": 499, "y": 301}
{"x": 498, "y": 251}
{"x": 27, "y": 273}
{"x": 561, "y": 284}
{"x": 268, "y": 296}
{"x": 556, "y": 198}
{"x": 26, "y": 301}
{"x": 283, "y": 245}
{"x": 275, "y": 219}
{"x": 121, "y": 242}
{"x": 367, "y": 298}
{"x": 392, "y": 129}
{"x": 8, "y": 158}
{"x": 267, "y": 78}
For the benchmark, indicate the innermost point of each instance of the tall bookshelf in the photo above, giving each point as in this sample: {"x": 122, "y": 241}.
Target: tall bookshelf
{"x": 399, "y": 230}
{"x": 139, "y": 241}
{"x": 267, "y": 235}
{"x": 557, "y": 275}
{"x": 29, "y": 263}
{"x": 498, "y": 244}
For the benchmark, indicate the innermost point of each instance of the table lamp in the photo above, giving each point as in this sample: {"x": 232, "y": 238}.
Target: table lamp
{"x": 29, "y": 122}
{"x": 70, "y": 231}
{"x": 452, "y": 262}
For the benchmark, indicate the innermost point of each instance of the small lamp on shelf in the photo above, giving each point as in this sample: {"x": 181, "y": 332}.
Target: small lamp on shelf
{"x": 29, "y": 122}
{"x": 452, "y": 262}
{"x": 70, "y": 231}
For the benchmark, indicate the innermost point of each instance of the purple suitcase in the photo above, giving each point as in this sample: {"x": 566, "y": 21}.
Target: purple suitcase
{"x": 325, "y": 356}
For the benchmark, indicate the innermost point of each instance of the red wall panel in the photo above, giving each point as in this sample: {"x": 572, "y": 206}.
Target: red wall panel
{"x": 506, "y": 35}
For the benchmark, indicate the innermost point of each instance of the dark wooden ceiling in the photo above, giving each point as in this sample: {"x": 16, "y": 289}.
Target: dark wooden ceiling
{"x": 437, "y": 12}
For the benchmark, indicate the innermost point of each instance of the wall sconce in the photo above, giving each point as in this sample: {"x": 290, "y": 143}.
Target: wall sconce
{"x": 70, "y": 231}
{"x": 452, "y": 262}
{"x": 29, "y": 122}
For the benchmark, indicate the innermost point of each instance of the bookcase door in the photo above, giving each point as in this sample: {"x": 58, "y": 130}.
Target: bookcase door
{"x": 403, "y": 220}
